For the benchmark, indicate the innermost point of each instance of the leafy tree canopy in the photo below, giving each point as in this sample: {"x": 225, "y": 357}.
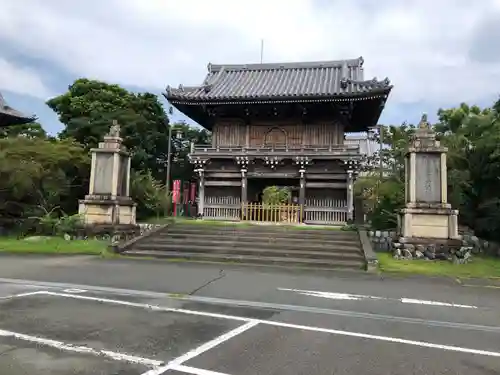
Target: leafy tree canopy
{"x": 39, "y": 175}
{"x": 88, "y": 108}
{"x": 29, "y": 130}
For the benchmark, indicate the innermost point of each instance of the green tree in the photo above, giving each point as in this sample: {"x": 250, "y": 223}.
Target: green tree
{"x": 39, "y": 176}
{"x": 88, "y": 108}
{"x": 472, "y": 136}
{"x": 150, "y": 195}
{"x": 182, "y": 137}
{"x": 383, "y": 198}
{"x": 29, "y": 130}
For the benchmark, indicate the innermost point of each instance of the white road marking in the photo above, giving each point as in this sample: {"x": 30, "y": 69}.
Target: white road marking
{"x": 357, "y": 297}
{"x": 23, "y": 294}
{"x": 422, "y": 344}
{"x": 287, "y": 325}
{"x": 331, "y": 295}
{"x": 175, "y": 363}
{"x": 81, "y": 349}
{"x": 435, "y": 303}
{"x": 148, "y": 306}
{"x": 195, "y": 371}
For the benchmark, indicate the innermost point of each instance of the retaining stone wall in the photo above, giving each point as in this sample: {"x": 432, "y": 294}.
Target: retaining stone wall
{"x": 387, "y": 241}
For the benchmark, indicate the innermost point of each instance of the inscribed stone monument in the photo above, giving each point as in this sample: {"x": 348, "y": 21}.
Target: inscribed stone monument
{"x": 108, "y": 201}
{"x": 427, "y": 214}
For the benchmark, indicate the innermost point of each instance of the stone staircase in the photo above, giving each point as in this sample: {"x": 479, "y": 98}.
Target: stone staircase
{"x": 271, "y": 245}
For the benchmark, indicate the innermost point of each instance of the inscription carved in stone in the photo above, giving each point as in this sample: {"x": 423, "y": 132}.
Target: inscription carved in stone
{"x": 103, "y": 174}
{"x": 428, "y": 179}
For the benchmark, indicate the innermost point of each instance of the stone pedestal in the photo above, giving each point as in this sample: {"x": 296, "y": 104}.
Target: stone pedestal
{"x": 108, "y": 201}
{"x": 427, "y": 217}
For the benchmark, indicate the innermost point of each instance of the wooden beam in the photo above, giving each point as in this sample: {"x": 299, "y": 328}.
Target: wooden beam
{"x": 326, "y": 176}
{"x": 222, "y": 183}
{"x": 326, "y": 185}
{"x": 223, "y": 174}
{"x": 273, "y": 174}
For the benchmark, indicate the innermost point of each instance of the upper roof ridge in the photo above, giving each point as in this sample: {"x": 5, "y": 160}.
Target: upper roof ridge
{"x": 358, "y": 62}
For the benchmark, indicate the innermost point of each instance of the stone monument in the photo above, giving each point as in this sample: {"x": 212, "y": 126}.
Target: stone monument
{"x": 108, "y": 202}
{"x": 427, "y": 217}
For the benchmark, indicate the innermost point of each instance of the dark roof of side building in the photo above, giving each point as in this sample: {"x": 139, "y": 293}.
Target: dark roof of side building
{"x": 10, "y": 116}
{"x": 281, "y": 81}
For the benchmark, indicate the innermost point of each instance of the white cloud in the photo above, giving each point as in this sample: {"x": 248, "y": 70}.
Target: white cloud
{"x": 423, "y": 46}
{"x": 21, "y": 80}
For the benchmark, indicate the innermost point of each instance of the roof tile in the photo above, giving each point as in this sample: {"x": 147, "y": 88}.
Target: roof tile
{"x": 281, "y": 81}
{"x": 10, "y": 116}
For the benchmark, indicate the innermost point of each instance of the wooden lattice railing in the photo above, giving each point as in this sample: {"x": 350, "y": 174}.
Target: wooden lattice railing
{"x": 279, "y": 213}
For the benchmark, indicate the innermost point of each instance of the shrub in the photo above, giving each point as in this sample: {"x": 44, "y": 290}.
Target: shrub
{"x": 273, "y": 195}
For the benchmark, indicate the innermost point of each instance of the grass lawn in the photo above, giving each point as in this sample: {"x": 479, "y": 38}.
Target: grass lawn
{"x": 52, "y": 245}
{"x": 481, "y": 267}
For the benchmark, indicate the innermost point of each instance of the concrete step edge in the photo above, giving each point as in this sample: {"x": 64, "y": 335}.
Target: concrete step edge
{"x": 231, "y": 257}
{"x": 291, "y": 233}
{"x": 263, "y": 252}
{"x": 252, "y": 245}
{"x": 198, "y": 236}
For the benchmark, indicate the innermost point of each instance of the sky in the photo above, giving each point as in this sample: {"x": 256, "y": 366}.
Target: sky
{"x": 436, "y": 53}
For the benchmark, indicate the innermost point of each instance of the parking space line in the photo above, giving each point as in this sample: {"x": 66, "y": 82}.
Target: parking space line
{"x": 382, "y": 338}
{"x": 81, "y": 349}
{"x": 148, "y": 306}
{"x": 195, "y": 371}
{"x": 175, "y": 363}
{"x": 24, "y": 294}
{"x": 286, "y": 325}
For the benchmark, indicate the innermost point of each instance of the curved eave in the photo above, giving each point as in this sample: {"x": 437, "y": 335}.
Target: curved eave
{"x": 343, "y": 97}
{"x": 10, "y": 120}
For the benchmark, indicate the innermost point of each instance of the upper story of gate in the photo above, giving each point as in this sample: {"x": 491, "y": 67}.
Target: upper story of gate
{"x": 291, "y": 106}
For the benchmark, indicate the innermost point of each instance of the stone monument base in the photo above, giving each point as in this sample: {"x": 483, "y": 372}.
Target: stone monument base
{"x": 436, "y": 221}
{"x": 98, "y": 210}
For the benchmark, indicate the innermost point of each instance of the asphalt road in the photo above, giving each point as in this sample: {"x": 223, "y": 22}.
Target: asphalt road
{"x": 83, "y": 315}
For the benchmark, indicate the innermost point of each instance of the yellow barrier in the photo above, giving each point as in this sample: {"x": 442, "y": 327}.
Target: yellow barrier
{"x": 282, "y": 213}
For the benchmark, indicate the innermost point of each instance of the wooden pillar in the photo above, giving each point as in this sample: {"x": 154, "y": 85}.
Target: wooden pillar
{"x": 244, "y": 186}
{"x": 350, "y": 195}
{"x": 302, "y": 191}
{"x": 201, "y": 192}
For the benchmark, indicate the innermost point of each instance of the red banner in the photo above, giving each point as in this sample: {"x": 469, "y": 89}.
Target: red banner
{"x": 192, "y": 192}
{"x": 176, "y": 191}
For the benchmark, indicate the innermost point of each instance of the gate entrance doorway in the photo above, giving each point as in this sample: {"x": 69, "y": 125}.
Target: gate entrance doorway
{"x": 256, "y": 188}
{"x": 256, "y": 210}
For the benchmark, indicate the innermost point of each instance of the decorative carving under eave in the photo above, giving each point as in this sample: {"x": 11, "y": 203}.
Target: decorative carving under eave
{"x": 243, "y": 162}
{"x": 211, "y": 112}
{"x": 352, "y": 167}
{"x": 302, "y": 162}
{"x": 272, "y": 161}
{"x": 199, "y": 164}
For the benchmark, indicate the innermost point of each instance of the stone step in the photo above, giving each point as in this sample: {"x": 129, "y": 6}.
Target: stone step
{"x": 293, "y": 233}
{"x": 262, "y": 251}
{"x": 263, "y": 242}
{"x": 252, "y": 260}
{"x": 259, "y": 227}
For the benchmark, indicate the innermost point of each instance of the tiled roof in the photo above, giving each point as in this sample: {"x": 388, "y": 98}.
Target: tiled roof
{"x": 10, "y": 116}
{"x": 278, "y": 81}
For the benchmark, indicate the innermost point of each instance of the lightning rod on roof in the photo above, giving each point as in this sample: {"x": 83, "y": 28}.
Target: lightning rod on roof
{"x": 261, "y": 50}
